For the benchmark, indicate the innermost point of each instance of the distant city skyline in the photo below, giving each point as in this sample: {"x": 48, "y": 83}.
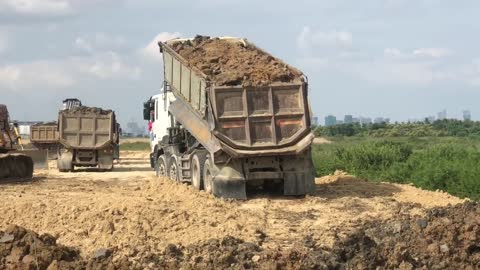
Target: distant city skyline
{"x": 332, "y": 119}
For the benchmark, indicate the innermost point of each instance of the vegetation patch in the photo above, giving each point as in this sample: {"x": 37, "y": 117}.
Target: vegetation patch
{"x": 448, "y": 164}
{"x": 135, "y": 146}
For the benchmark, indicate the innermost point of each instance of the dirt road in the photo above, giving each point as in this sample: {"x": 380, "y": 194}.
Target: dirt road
{"x": 130, "y": 209}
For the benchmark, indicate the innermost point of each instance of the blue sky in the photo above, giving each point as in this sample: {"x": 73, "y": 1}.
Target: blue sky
{"x": 395, "y": 58}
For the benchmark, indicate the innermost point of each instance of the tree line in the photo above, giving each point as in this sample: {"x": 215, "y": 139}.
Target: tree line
{"x": 439, "y": 128}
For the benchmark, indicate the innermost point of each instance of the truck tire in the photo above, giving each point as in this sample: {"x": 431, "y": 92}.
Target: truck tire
{"x": 173, "y": 172}
{"x": 197, "y": 171}
{"x": 161, "y": 167}
{"x": 208, "y": 176}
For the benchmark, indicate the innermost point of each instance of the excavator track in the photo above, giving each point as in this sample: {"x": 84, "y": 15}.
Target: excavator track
{"x": 15, "y": 166}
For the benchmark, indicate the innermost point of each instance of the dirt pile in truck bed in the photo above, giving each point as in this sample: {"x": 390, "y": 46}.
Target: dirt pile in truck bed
{"x": 53, "y": 123}
{"x": 88, "y": 110}
{"x": 230, "y": 63}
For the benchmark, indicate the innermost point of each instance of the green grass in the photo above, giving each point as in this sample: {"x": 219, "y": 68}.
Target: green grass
{"x": 450, "y": 164}
{"x": 135, "y": 146}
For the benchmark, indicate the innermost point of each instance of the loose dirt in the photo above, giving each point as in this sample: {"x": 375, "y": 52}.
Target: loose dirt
{"x": 230, "y": 63}
{"x": 88, "y": 110}
{"x": 151, "y": 223}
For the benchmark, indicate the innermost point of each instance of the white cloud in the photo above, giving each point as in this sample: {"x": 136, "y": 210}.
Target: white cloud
{"x": 151, "y": 51}
{"x": 108, "y": 66}
{"x": 83, "y": 45}
{"x": 40, "y": 75}
{"x": 51, "y": 8}
{"x": 62, "y": 74}
{"x": 99, "y": 42}
{"x": 432, "y": 52}
{"x": 37, "y": 7}
{"x": 308, "y": 39}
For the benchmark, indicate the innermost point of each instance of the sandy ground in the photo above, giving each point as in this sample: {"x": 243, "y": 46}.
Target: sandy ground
{"x": 320, "y": 140}
{"x": 130, "y": 209}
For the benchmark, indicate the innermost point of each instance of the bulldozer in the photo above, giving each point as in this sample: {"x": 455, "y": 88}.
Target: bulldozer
{"x": 15, "y": 163}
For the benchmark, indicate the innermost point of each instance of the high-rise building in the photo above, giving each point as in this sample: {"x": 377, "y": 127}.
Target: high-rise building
{"x": 467, "y": 115}
{"x": 315, "y": 121}
{"x": 365, "y": 120}
{"x": 348, "y": 119}
{"x": 442, "y": 115}
{"x": 330, "y": 120}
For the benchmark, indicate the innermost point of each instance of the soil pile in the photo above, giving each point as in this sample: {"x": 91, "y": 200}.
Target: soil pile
{"x": 231, "y": 63}
{"x": 24, "y": 249}
{"x": 88, "y": 110}
{"x": 53, "y": 123}
{"x": 446, "y": 238}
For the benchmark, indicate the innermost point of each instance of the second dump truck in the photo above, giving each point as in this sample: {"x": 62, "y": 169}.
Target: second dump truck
{"x": 231, "y": 116}
{"x": 45, "y": 137}
{"x": 89, "y": 138}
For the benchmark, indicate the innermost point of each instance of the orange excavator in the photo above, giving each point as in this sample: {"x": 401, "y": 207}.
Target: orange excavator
{"x": 13, "y": 163}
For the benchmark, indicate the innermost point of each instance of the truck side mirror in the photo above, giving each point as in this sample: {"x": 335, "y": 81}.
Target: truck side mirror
{"x": 146, "y": 111}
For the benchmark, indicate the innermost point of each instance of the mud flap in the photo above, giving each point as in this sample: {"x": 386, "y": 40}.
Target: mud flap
{"x": 299, "y": 175}
{"x": 64, "y": 162}
{"x": 105, "y": 160}
{"x": 39, "y": 157}
{"x": 229, "y": 182}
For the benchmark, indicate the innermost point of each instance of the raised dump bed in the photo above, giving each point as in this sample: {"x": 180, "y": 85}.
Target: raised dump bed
{"x": 258, "y": 102}
{"x": 240, "y": 117}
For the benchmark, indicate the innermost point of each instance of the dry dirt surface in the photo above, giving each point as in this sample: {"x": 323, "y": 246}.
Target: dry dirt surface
{"x": 129, "y": 219}
{"x": 231, "y": 63}
{"x": 320, "y": 140}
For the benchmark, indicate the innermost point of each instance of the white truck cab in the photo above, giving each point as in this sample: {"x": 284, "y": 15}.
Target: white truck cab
{"x": 156, "y": 111}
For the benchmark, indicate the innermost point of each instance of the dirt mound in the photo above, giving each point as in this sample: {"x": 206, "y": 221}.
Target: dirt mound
{"x": 88, "y": 110}
{"x": 231, "y": 63}
{"x": 24, "y": 249}
{"x": 443, "y": 238}
{"x": 52, "y": 123}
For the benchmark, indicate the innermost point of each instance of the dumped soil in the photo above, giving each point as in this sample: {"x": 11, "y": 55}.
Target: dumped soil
{"x": 129, "y": 219}
{"x": 88, "y": 110}
{"x": 231, "y": 63}
{"x": 445, "y": 238}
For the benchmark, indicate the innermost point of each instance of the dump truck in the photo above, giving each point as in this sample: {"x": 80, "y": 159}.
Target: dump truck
{"x": 44, "y": 136}
{"x": 89, "y": 138}
{"x": 12, "y": 165}
{"x": 231, "y": 117}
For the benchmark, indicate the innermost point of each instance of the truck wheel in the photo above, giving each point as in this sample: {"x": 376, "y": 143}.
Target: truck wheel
{"x": 173, "y": 169}
{"x": 161, "y": 167}
{"x": 197, "y": 172}
{"x": 207, "y": 177}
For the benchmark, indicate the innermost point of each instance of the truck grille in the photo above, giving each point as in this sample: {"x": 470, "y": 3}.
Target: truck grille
{"x": 260, "y": 117}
